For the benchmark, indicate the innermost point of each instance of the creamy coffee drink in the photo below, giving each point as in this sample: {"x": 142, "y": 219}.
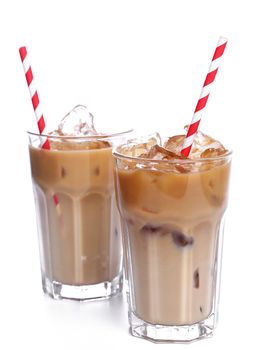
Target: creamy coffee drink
{"x": 79, "y": 226}
{"x": 172, "y": 208}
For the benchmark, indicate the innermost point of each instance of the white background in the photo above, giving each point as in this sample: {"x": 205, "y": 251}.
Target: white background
{"x": 139, "y": 63}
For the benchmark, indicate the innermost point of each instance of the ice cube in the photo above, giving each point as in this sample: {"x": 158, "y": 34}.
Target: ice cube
{"x": 160, "y": 153}
{"x": 202, "y": 139}
{"x": 213, "y": 152}
{"x": 140, "y": 147}
{"x": 78, "y": 122}
{"x": 205, "y": 146}
{"x": 174, "y": 143}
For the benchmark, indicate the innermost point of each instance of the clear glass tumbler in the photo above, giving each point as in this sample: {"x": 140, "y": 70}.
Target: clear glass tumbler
{"x": 78, "y": 222}
{"x": 173, "y": 217}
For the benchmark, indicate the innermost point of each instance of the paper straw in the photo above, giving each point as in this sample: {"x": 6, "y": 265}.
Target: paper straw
{"x": 34, "y": 96}
{"x": 205, "y": 93}
{"x": 36, "y": 106}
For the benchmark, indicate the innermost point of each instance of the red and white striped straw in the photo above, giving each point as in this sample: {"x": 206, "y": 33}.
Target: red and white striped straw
{"x": 36, "y": 106}
{"x": 34, "y": 96}
{"x": 205, "y": 93}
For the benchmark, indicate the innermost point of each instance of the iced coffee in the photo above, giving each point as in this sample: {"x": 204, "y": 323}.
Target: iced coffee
{"x": 78, "y": 223}
{"x": 172, "y": 210}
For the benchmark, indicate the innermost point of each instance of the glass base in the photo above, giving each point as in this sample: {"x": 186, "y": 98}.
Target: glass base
{"x": 103, "y": 290}
{"x": 171, "y": 334}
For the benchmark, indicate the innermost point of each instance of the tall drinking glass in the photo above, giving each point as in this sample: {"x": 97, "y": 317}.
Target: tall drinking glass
{"x": 173, "y": 216}
{"x": 77, "y": 218}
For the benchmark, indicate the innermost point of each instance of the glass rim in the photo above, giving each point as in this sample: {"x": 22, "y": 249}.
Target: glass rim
{"x": 122, "y": 156}
{"x": 81, "y": 137}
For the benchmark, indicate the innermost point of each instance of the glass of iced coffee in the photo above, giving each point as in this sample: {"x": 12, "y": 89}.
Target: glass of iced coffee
{"x": 172, "y": 210}
{"x": 78, "y": 223}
